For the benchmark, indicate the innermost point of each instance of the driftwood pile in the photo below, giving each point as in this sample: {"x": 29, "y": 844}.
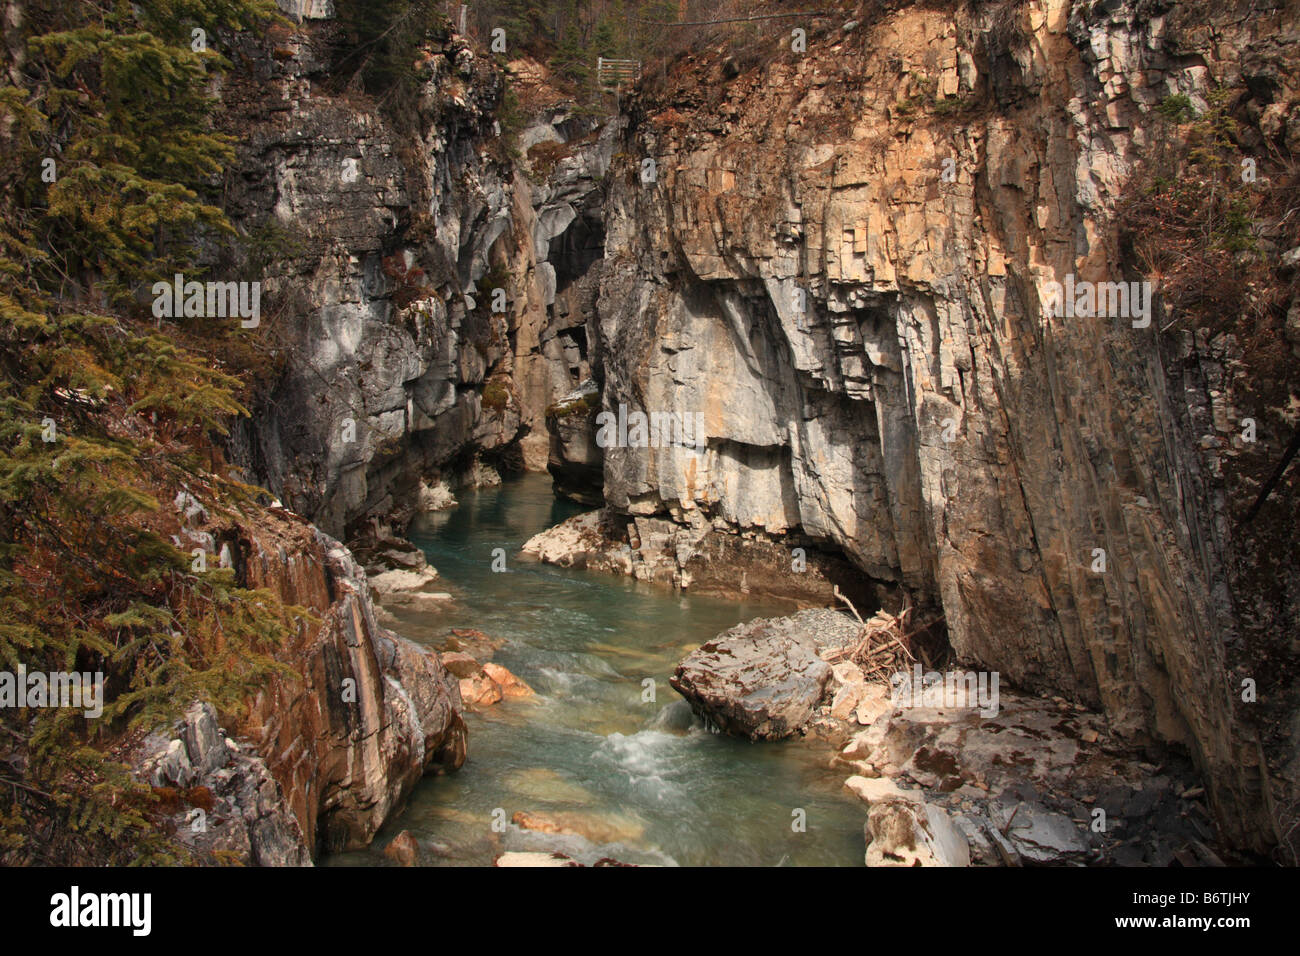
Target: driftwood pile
{"x": 887, "y": 643}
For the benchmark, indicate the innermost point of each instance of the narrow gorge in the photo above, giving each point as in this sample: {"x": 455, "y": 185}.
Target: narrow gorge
{"x": 864, "y": 436}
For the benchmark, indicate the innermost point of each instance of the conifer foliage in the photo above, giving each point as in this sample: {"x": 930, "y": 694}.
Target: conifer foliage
{"x": 109, "y": 170}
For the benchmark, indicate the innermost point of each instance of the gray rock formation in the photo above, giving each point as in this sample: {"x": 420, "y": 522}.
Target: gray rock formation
{"x": 1041, "y": 783}
{"x": 845, "y": 271}
{"x": 426, "y": 301}
{"x": 576, "y": 461}
{"x": 372, "y": 268}
{"x": 763, "y": 679}
{"x": 235, "y": 805}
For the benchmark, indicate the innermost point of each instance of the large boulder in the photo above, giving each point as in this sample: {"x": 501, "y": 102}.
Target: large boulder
{"x": 764, "y": 679}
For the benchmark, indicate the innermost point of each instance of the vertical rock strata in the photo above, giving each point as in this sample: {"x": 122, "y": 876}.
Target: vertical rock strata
{"x": 842, "y": 262}
{"x": 370, "y": 713}
{"x": 330, "y": 747}
{"x": 849, "y": 282}
{"x": 428, "y": 295}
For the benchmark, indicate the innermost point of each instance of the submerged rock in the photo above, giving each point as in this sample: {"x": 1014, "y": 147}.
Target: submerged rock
{"x": 482, "y": 685}
{"x": 403, "y": 851}
{"x": 520, "y": 859}
{"x": 460, "y": 664}
{"x": 597, "y": 828}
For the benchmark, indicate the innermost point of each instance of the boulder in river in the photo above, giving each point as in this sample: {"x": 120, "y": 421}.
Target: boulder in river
{"x": 511, "y": 686}
{"x": 482, "y": 685}
{"x": 764, "y": 679}
{"x": 479, "y": 690}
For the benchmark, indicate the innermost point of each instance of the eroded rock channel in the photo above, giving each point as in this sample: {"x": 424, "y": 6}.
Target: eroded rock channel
{"x": 785, "y": 331}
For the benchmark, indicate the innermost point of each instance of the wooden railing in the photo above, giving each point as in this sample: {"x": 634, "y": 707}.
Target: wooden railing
{"x": 611, "y": 74}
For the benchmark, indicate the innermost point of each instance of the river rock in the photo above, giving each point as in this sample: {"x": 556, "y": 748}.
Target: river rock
{"x": 1050, "y": 767}
{"x": 597, "y": 828}
{"x": 524, "y": 859}
{"x": 473, "y": 642}
{"x": 845, "y": 702}
{"x": 511, "y": 686}
{"x": 482, "y": 685}
{"x": 460, "y": 664}
{"x": 479, "y": 690}
{"x": 873, "y": 702}
{"x": 436, "y": 496}
{"x": 405, "y": 585}
{"x": 570, "y": 543}
{"x": 403, "y": 851}
{"x": 902, "y": 832}
{"x": 847, "y": 672}
{"x": 764, "y": 679}
{"x": 527, "y": 858}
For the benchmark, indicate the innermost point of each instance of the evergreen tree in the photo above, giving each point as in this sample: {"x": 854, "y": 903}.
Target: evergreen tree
{"x": 102, "y": 414}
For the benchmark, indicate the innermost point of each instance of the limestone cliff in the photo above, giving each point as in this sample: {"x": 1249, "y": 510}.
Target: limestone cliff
{"x": 841, "y": 259}
{"x": 425, "y": 289}
{"x": 329, "y": 749}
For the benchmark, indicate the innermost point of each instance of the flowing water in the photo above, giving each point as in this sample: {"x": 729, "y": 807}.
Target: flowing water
{"x": 642, "y": 778}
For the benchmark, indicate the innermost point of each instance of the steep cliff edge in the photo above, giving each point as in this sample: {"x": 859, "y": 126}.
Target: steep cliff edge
{"x": 427, "y": 265}
{"x": 843, "y": 260}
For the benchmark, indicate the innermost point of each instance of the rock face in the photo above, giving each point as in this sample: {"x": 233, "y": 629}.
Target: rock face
{"x": 234, "y": 806}
{"x": 903, "y": 833}
{"x": 576, "y": 461}
{"x": 365, "y": 713}
{"x": 845, "y": 271}
{"x": 426, "y": 298}
{"x": 763, "y": 679}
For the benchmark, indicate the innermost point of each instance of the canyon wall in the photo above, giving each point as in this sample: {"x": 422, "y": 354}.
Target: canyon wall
{"x": 364, "y": 713}
{"x": 330, "y": 747}
{"x": 420, "y": 287}
{"x": 841, "y": 258}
